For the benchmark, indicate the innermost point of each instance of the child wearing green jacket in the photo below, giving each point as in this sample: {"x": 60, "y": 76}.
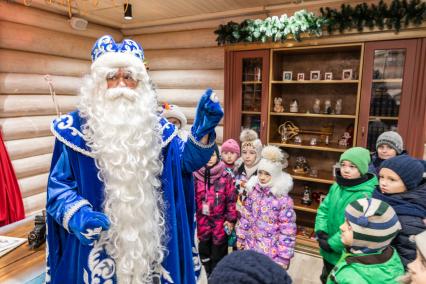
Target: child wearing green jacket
{"x": 370, "y": 227}
{"x": 352, "y": 183}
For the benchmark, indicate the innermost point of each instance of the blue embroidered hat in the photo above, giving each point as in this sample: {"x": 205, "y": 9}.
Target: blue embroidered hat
{"x": 107, "y": 53}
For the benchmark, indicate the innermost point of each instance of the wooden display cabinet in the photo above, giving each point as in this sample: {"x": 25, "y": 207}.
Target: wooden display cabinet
{"x": 326, "y": 126}
{"x": 387, "y": 90}
{"x": 247, "y": 106}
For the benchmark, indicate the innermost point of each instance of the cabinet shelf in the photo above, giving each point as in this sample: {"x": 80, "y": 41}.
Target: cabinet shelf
{"x": 313, "y": 208}
{"x": 317, "y": 82}
{"x": 397, "y": 80}
{"x": 251, "y": 82}
{"x": 323, "y": 177}
{"x": 332, "y": 147}
{"x": 307, "y": 245}
{"x": 299, "y": 114}
{"x": 251, "y": 112}
{"x": 383, "y": 118}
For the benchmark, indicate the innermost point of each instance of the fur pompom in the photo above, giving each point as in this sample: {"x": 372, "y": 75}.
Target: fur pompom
{"x": 272, "y": 153}
{"x": 248, "y": 135}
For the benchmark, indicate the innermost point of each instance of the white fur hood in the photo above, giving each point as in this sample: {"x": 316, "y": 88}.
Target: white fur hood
{"x": 280, "y": 185}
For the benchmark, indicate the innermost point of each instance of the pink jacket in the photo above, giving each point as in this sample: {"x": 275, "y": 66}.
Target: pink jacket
{"x": 220, "y": 197}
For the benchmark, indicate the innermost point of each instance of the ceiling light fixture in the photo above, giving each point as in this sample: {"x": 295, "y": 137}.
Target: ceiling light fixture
{"x": 128, "y": 11}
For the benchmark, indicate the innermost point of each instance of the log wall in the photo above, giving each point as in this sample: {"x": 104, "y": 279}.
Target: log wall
{"x": 182, "y": 65}
{"x": 29, "y": 49}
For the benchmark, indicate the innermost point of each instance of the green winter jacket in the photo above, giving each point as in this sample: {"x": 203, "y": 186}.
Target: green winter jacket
{"x": 376, "y": 268}
{"x": 331, "y": 213}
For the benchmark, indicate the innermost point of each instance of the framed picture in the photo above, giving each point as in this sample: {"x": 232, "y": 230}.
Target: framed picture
{"x": 287, "y": 75}
{"x": 315, "y": 75}
{"x": 300, "y": 76}
{"x": 328, "y": 76}
{"x": 347, "y": 74}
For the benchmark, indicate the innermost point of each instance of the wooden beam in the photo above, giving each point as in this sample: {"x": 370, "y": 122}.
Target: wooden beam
{"x": 210, "y": 58}
{"x": 32, "y": 166}
{"x": 13, "y": 61}
{"x": 36, "y": 202}
{"x": 33, "y": 185}
{"x": 188, "y": 79}
{"x": 178, "y": 39}
{"x": 29, "y": 105}
{"x": 184, "y": 97}
{"x": 33, "y": 39}
{"x": 25, "y": 127}
{"x": 203, "y": 24}
{"x": 35, "y": 17}
{"x": 24, "y": 148}
{"x": 36, "y": 84}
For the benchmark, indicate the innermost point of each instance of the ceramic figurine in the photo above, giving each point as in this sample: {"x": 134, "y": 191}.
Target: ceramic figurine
{"x": 338, "y": 108}
{"x": 278, "y": 107}
{"x": 297, "y": 140}
{"x": 307, "y": 196}
{"x": 317, "y": 107}
{"x": 301, "y": 166}
{"x": 313, "y": 142}
{"x": 327, "y": 107}
{"x": 294, "y": 106}
{"x": 344, "y": 140}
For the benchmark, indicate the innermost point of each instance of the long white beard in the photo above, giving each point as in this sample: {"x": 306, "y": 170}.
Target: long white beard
{"x": 123, "y": 134}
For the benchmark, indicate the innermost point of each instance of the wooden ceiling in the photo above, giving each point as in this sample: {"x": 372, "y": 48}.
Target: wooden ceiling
{"x": 148, "y": 13}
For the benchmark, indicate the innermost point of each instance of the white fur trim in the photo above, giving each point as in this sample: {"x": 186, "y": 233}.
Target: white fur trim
{"x": 71, "y": 211}
{"x": 251, "y": 183}
{"x": 282, "y": 184}
{"x": 176, "y": 112}
{"x": 116, "y": 60}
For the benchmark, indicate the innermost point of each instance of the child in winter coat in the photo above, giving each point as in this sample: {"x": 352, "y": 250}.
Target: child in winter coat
{"x": 268, "y": 222}
{"x": 367, "y": 232}
{"x": 417, "y": 269}
{"x": 389, "y": 144}
{"x": 251, "y": 148}
{"x": 401, "y": 186}
{"x": 352, "y": 183}
{"x": 215, "y": 201}
{"x": 230, "y": 152}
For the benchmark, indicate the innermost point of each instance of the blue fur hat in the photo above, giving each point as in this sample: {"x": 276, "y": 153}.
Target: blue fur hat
{"x": 107, "y": 53}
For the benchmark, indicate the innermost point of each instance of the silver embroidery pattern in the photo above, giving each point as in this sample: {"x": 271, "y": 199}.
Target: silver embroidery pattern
{"x": 68, "y": 143}
{"x": 47, "y": 278}
{"x": 70, "y": 212}
{"x": 66, "y": 122}
{"x": 201, "y": 145}
{"x": 170, "y": 138}
{"x": 101, "y": 270}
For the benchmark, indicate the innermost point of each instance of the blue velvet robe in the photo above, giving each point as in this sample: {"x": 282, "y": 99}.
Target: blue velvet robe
{"x": 73, "y": 182}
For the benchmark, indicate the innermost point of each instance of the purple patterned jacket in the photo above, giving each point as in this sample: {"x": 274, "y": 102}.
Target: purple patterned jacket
{"x": 268, "y": 222}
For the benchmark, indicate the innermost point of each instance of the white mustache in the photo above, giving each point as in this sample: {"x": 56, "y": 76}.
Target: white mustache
{"x": 114, "y": 93}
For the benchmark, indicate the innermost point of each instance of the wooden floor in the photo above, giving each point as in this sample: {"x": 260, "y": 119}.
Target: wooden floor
{"x": 305, "y": 269}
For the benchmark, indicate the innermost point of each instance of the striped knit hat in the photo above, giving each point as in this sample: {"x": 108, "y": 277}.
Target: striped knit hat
{"x": 374, "y": 224}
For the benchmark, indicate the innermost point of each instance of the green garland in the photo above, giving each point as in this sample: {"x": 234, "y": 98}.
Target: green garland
{"x": 276, "y": 29}
{"x": 380, "y": 15}
{"x": 271, "y": 29}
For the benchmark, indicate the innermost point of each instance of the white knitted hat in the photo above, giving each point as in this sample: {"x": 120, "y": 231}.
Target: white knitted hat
{"x": 176, "y": 112}
{"x": 249, "y": 138}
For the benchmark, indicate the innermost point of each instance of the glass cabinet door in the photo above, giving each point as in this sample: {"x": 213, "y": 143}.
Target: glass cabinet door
{"x": 386, "y": 87}
{"x": 249, "y": 96}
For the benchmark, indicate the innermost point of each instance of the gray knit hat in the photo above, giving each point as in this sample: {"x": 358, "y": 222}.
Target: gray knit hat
{"x": 392, "y": 139}
{"x": 374, "y": 224}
